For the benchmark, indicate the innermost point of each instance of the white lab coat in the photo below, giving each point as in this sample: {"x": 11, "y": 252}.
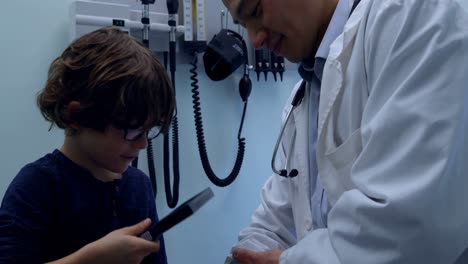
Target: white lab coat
{"x": 392, "y": 150}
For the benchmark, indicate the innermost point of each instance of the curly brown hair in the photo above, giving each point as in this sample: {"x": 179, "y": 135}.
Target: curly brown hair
{"x": 116, "y": 80}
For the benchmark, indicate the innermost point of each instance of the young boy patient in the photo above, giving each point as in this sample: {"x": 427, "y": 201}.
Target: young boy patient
{"x": 83, "y": 203}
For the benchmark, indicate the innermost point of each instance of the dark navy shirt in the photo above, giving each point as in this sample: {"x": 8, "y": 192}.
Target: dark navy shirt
{"x": 54, "y": 207}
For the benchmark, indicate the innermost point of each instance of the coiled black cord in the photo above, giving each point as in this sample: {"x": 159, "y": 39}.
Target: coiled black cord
{"x": 151, "y": 170}
{"x": 201, "y": 137}
{"x": 172, "y": 196}
{"x": 149, "y": 152}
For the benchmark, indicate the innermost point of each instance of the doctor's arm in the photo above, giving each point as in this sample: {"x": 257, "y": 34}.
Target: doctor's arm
{"x": 409, "y": 201}
{"x": 272, "y": 226}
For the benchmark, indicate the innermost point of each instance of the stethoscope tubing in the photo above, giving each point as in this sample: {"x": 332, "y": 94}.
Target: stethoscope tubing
{"x": 295, "y": 103}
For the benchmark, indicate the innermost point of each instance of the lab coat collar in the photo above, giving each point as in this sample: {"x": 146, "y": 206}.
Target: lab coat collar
{"x": 339, "y": 48}
{"x": 308, "y": 67}
{"x": 335, "y": 28}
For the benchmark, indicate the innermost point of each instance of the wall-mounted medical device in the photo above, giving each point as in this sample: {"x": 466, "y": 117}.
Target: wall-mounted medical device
{"x": 90, "y": 15}
{"x": 217, "y": 68}
{"x": 266, "y": 62}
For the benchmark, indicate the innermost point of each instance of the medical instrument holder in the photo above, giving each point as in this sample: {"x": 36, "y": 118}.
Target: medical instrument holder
{"x": 172, "y": 194}
{"x": 149, "y": 150}
{"x": 266, "y": 62}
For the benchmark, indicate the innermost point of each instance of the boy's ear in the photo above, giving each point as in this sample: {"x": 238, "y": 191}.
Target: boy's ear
{"x": 73, "y": 108}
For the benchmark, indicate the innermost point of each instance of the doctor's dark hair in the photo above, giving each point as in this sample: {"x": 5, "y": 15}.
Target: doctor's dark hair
{"x": 116, "y": 80}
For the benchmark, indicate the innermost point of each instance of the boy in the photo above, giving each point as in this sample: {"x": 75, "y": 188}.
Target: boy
{"x": 83, "y": 203}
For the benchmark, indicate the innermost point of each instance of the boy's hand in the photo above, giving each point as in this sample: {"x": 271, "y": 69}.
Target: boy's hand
{"x": 122, "y": 246}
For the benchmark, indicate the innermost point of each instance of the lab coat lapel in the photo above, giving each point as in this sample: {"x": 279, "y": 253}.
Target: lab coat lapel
{"x": 340, "y": 51}
{"x": 332, "y": 87}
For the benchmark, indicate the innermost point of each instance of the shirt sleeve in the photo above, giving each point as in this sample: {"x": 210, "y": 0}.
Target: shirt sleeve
{"x": 24, "y": 217}
{"x": 409, "y": 201}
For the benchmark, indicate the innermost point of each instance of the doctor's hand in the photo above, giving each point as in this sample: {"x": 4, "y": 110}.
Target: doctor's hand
{"x": 245, "y": 256}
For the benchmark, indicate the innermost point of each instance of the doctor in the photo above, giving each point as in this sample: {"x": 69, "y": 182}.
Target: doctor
{"x": 379, "y": 141}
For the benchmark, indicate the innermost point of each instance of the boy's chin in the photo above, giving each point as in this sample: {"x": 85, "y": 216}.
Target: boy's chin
{"x": 120, "y": 169}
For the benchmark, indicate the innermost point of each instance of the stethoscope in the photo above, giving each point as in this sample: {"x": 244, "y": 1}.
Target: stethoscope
{"x": 295, "y": 103}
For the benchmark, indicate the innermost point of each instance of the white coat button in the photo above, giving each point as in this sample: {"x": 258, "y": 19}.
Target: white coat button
{"x": 308, "y": 225}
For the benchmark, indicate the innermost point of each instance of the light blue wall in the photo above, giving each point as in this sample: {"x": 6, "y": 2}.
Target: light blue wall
{"x": 464, "y": 3}
{"x": 32, "y": 34}
{"x": 30, "y": 42}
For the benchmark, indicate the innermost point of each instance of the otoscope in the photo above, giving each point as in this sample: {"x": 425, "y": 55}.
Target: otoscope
{"x": 172, "y": 195}
{"x": 145, "y": 20}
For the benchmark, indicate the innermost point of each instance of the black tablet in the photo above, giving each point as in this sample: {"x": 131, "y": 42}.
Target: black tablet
{"x": 182, "y": 212}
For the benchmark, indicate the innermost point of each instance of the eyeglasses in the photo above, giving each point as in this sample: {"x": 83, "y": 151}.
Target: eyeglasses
{"x": 137, "y": 133}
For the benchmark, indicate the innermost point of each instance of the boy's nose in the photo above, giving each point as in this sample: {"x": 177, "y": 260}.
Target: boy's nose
{"x": 141, "y": 143}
